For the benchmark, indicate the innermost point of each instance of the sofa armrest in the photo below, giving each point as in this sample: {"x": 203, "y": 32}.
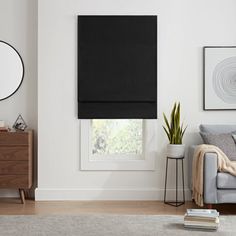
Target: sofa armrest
{"x": 190, "y": 161}
{"x": 210, "y": 177}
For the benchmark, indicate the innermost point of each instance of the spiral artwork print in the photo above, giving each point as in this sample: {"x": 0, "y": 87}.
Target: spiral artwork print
{"x": 224, "y": 80}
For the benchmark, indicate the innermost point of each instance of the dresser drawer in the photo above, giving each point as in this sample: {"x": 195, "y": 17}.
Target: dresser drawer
{"x": 14, "y": 153}
{"x": 14, "y": 181}
{"x": 13, "y": 167}
{"x": 14, "y": 138}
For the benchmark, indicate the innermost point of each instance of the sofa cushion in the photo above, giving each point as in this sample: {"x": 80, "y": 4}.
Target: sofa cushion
{"x": 226, "y": 181}
{"x": 217, "y": 129}
{"x": 223, "y": 141}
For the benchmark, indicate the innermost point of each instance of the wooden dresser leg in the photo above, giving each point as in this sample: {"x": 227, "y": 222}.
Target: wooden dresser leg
{"x": 22, "y": 195}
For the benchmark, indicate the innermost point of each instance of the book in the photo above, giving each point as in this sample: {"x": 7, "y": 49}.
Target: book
{"x": 198, "y": 218}
{"x": 202, "y": 212}
{"x": 202, "y": 227}
{"x": 197, "y": 222}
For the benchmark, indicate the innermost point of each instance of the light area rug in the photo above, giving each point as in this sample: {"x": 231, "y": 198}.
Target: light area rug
{"x": 104, "y": 225}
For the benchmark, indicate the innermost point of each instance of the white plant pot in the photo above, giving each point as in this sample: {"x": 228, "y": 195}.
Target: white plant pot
{"x": 175, "y": 150}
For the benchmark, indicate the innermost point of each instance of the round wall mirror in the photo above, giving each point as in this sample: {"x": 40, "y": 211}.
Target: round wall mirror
{"x": 11, "y": 70}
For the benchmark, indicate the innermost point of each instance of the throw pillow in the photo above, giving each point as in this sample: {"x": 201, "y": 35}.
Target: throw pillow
{"x": 234, "y": 136}
{"x": 223, "y": 141}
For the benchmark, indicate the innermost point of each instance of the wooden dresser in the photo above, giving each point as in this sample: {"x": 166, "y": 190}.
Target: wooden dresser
{"x": 16, "y": 161}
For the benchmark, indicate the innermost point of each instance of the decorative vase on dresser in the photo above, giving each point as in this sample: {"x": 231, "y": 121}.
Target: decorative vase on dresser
{"x": 16, "y": 161}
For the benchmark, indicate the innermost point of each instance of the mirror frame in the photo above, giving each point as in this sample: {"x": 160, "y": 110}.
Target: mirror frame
{"x": 23, "y": 68}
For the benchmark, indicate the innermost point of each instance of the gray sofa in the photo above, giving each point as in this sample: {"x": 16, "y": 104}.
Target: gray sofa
{"x": 218, "y": 187}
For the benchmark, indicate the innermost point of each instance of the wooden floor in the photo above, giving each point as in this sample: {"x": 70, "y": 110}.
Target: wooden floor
{"x": 14, "y": 207}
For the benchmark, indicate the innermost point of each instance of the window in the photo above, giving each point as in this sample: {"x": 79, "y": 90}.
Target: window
{"x": 117, "y": 144}
{"x": 113, "y": 137}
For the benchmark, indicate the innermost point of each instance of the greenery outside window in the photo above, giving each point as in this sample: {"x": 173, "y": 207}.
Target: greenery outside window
{"x": 116, "y": 136}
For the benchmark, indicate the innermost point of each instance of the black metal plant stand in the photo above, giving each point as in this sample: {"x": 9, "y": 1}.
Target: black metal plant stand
{"x": 175, "y": 203}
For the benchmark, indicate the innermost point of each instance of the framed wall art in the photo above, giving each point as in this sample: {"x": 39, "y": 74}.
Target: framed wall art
{"x": 219, "y": 78}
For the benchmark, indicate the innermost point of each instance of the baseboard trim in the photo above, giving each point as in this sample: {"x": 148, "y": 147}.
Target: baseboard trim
{"x": 46, "y": 194}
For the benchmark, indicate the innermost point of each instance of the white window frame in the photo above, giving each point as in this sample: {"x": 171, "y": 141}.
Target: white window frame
{"x": 146, "y": 161}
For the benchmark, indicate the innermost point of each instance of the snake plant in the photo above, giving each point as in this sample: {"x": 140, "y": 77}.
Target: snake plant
{"x": 173, "y": 129}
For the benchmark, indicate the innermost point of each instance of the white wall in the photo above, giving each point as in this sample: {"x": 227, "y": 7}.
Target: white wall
{"x": 184, "y": 27}
{"x": 18, "y": 26}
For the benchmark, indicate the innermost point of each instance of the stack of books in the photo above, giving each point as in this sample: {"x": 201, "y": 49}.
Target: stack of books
{"x": 4, "y": 129}
{"x": 201, "y": 219}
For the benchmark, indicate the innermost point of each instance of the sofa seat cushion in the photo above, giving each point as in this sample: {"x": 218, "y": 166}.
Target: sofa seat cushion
{"x": 226, "y": 181}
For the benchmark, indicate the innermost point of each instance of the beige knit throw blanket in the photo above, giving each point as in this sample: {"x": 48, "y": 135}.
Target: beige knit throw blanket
{"x": 223, "y": 165}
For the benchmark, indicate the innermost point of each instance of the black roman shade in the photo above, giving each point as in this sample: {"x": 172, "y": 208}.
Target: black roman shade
{"x": 117, "y": 67}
